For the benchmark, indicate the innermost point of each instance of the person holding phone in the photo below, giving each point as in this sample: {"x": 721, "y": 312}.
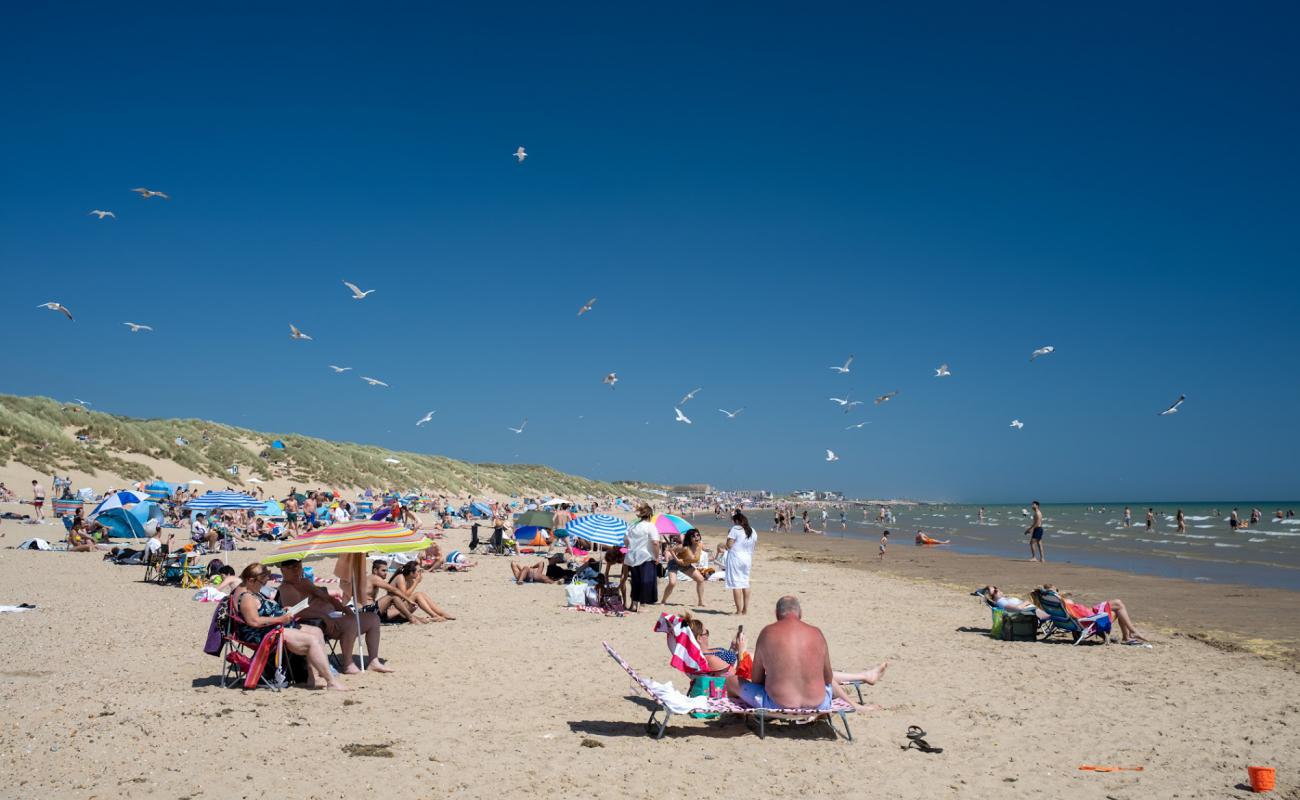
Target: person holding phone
{"x": 258, "y": 614}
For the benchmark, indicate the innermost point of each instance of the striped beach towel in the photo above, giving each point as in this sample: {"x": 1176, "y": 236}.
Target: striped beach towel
{"x": 686, "y": 653}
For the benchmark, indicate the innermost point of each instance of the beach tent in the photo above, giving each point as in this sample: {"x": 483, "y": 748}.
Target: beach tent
{"x": 271, "y": 509}
{"x": 161, "y": 490}
{"x": 116, "y": 500}
{"x": 147, "y": 512}
{"x": 122, "y": 524}
{"x": 481, "y": 508}
{"x": 531, "y": 535}
{"x": 277, "y": 444}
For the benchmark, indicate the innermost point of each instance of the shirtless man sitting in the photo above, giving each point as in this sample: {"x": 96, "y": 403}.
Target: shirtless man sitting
{"x": 792, "y": 666}
{"x": 343, "y": 628}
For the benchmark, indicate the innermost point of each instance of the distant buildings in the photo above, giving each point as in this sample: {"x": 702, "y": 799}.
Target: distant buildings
{"x": 815, "y": 494}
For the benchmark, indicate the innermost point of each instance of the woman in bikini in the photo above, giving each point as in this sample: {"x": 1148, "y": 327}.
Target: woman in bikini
{"x": 684, "y": 560}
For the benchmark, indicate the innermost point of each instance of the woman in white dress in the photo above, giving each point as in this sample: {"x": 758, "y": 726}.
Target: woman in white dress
{"x": 740, "y": 555}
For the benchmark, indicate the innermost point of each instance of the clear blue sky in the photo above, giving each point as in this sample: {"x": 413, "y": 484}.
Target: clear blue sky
{"x": 752, "y": 191}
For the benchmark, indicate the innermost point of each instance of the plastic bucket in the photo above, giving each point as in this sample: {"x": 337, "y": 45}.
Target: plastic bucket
{"x": 1262, "y": 779}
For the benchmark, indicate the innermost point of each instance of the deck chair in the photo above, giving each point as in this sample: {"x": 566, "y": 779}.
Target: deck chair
{"x": 153, "y": 564}
{"x": 1079, "y": 628}
{"x": 332, "y": 644}
{"x": 244, "y": 663}
{"x": 192, "y": 573}
{"x": 726, "y": 705}
{"x": 1045, "y": 627}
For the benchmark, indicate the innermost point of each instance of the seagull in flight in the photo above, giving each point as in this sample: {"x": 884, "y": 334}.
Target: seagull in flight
{"x": 81, "y": 402}
{"x": 846, "y": 403}
{"x": 830, "y": 456}
{"x": 102, "y": 214}
{"x": 339, "y": 369}
{"x": 1042, "y": 351}
{"x": 523, "y": 424}
{"x": 885, "y": 398}
{"x": 137, "y": 327}
{"x": 586, "y": 306}
{"x": 374, "y": 381}
{"x": 859, "y": 425}
{"x": 425, "y": 419}
{"x": 294, "y": 333}
{"x": 357, "y": 294}
{"x": 59, "y": 307}
{"x": 610, "y": 380}
{"x": 145, "y": 194}
{"x": 681, "y": 417}
{"x": 521, "y": 155}
{"x": 1017, "y": 424}
{"x": 942, "y": 371}
{"x": 732, "y": 414}
{"x": 845, "y": 368}
{"x": 1173, "y": 409}
{"x": 689, "y": 396}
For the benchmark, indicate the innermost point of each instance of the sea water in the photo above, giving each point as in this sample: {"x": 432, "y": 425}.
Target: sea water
{"x": 1265, "y": 554}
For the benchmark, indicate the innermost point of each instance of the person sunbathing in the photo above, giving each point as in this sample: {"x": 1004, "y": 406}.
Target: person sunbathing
{"x": 1113, "y": 608}
{"x": 548, "y": 570}
{"x": 334, "y": 618}
{"x": 259, "y": 614}
{"x": 394, "y": 606}
{"x": 407, "y": 583}
{"x": 792, "y": 666}
{"x": 923, "y": 539}
{"x": 1007, "y": 603}
{"x": 81, "y": 542}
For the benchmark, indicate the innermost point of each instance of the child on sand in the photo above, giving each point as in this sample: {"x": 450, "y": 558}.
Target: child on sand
{"x": 884, "y": 542}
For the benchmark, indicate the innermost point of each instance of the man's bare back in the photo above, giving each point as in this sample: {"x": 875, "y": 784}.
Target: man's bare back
{"x": 792, "y": 661}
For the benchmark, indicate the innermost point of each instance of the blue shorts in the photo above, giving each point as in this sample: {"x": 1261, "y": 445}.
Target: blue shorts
{"x": 754, "y": 696}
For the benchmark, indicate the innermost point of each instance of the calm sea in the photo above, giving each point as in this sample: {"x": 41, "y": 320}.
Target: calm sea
{"x": 1266, "y": 554}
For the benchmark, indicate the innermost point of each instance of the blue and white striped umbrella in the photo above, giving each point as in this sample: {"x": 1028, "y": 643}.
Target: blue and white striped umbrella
{"x": 214, "y": 500}
{"x": 603, "y": 529}
{"x": 117, "y": 500}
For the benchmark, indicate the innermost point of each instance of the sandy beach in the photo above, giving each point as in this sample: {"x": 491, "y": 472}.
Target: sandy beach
{"x": 108, "y": 693}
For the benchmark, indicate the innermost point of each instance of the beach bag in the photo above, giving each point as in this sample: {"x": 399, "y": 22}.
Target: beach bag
{"x": 577, "y": 593}
{"x": 611, "y": 600}
{"x": 1014, "y": 626}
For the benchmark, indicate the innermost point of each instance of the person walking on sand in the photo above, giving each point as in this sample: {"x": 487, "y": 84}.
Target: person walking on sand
{"x": 884, "y": 543}
{"x": 1035, "y": 532}
{"x": 38, "y": 498}
{"x": 740, "y": 557}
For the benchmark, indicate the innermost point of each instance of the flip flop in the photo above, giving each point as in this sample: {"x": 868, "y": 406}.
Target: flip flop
{"x": 916, "y": 738}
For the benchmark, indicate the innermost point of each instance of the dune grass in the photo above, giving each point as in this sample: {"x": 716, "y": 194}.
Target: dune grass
{"x": 42, "y": 434}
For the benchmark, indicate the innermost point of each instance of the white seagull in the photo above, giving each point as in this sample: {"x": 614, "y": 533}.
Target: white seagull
{"x": 357, "y": 294}
{"x": 339, "y": 369}
{"x": 689, "y": 396}
{"x": 102, "y": 214}
{"x": 885, "y": 398}
{"x": 859, "y": 425}
{"x": 586, "y": 306}
{"x": 1017, "y": 424}
{"x": 610, "y": 380}
{"x": 137, "y": 327}
{"x": 145, "y": 194}
{"x": 374, "y": 381}
{"x": 1042, "y": 351}
{"x": 830, "y": 456}
{"x": 681, "y": 417}
{"x": 732, "y": 414}
{"x": 942, "y": 371}
{"x": 521, "y": 155}
{"x": 845, "y": 368}
{"x": 425, "y": 419}
{"x": 522, "y": 425}
{"x": 81, "y": 402}
{"x": 294, "y": 333}
{"x": 1173, "y": 409}
{"x": 59, "y": 307}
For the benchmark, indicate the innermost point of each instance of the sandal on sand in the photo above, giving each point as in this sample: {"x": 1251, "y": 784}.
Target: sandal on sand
{"x": 916, "y": 738}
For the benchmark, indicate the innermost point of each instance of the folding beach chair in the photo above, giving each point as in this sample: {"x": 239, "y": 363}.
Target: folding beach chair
{"x": 1079, "y": 628}
{"x": 244, "y": 663}
{"x": 725, "y": 705}
{"x": 1045, "y": 628}
{"x": 192, "y": 573}
{"x": 153, "y": 564}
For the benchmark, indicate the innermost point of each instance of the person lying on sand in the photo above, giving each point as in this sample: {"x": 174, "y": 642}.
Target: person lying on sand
{"x": 547, "y": 570}
{"x": 296, "y": 588}
{"x": 923, "y": 539}
{"x": 1115, "y": 608}
{"x": 792, "y": 667}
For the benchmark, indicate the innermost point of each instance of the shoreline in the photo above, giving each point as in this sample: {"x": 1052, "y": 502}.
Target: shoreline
{"x": 1235, "y": 617}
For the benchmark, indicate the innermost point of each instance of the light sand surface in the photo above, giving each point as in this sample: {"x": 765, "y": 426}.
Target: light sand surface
{"x": 106, "y": 692}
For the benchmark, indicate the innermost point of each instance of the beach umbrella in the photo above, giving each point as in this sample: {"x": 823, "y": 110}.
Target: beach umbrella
{"x": 359, "y": 538}
{"x": 603, "y": 529}
{"x": 225, "y": 500}
{"x": 116, "y": 500}
{"x": 670, "y": 524}
{"x": 540, "y": 519}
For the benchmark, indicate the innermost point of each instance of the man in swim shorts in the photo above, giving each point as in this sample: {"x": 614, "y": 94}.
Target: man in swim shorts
{"x": 38, "y": 498}
{"x": 1036, "y": 539}
{"x": 792, "y": 666}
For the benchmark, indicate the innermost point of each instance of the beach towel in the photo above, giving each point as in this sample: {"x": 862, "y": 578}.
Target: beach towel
{"x": 675, "y": 701}
{"x": 18, "y": 609}
{"x": 34, "y": 544}
{"x": 686, "y": 653}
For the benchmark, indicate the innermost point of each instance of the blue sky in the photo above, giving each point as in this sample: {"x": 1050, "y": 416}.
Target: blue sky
{"x": 752, "y": 194}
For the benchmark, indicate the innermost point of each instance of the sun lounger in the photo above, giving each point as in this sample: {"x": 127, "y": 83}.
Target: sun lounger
{"x": 1079, "y": 628}
{"x": 726, "y": 705}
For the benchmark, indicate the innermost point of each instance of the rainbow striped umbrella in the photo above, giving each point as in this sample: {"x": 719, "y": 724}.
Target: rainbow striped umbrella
{"x": 670, "y": 524}
{"x": 365, "y": 536}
